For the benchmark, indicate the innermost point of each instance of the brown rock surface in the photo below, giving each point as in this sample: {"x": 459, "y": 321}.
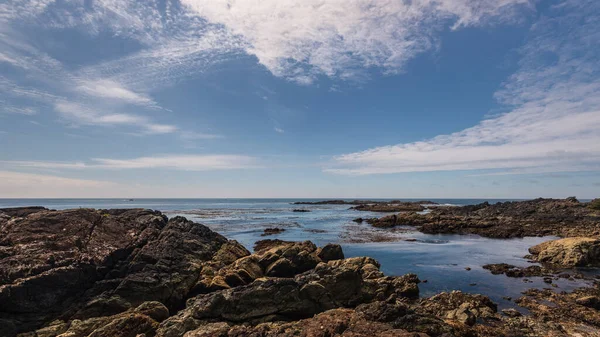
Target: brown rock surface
{"x": 568, "y": 252}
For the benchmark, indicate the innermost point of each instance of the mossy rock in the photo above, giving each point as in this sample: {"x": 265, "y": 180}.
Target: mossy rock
{"x": 595, "y": 204}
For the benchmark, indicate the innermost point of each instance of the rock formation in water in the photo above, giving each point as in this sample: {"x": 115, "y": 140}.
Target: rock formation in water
{"x": 134, "y": 273}
{"x": 538, "y": 217}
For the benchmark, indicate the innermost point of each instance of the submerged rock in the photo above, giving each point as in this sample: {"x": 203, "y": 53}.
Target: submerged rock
{"x": 568, "y": 252}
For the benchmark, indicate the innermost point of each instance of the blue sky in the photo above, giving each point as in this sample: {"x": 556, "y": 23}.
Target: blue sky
{"x": 318, "y": 98}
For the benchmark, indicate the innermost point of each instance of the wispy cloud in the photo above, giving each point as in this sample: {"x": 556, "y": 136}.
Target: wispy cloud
{"x": 279, "y": 130}
{"x": 555, "y": 116}
{"x": 175, "y": 162}
{"x": 106, "y": 88}
{"x": 19, "y": 110}
{"x": 82, "y": 115}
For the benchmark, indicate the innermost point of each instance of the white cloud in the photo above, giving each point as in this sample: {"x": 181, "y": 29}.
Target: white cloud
{"x": 176, "y": 162}
{"x": 555, "y": 116}
{"x": 303, "y": 39}
{"x": 110, "y": 89}
{"x": 279, "y": 130}
{"x": 19, "y": 110}
{"x": 182, "y": 162}
{"x": 82, "y": 115}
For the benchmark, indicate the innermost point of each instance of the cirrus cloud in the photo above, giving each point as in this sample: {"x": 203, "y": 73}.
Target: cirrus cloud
{"x": 554, "y": 114}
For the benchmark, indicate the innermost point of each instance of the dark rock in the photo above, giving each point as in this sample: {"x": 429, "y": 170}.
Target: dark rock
{"x": 300, "y": 210}
{"x": 390, "y": 207}
{"x": 272, "y": 231}
{"x": 84, "y": 262}
{"x": 514, "y": 271}
{"x": 539, "y": 217}
{"x": 589, "y": 301}
{"x": 330, "y": 252}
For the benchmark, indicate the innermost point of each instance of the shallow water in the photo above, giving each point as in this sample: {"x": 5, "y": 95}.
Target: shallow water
{"x": 439, "y": 259}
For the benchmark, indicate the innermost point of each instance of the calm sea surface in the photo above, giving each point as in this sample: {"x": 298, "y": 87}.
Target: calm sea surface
{"x": 439, "y": 259}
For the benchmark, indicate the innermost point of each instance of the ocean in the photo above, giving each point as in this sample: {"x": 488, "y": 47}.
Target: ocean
{"x": 439, "y": 259}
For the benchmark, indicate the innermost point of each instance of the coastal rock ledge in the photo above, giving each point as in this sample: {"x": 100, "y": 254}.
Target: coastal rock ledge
{"x": 135, "y": 273}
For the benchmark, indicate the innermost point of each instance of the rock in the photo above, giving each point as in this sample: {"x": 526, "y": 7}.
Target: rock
{"x": 467, "y": 268}
{"x": 301, "y": 210}
{"x": 7, "y": 328}
{"x": 539, "y": 217}
{"x": 568, "y": 252}
{"x": 339, "y": 283}
{"x": 390, "y": 207}
{"x": 272, "y": 231}
{"x": 330, "y": 252}
{"x": 155, "y": 310}
{"x": 83, "y": 263}
{"x": 595, "y": 204}
{"x": 589, "y": 301}
{"x": 514, "y": 271}
{"x": 511, "y": 312}
{"x": 458, "y": 306}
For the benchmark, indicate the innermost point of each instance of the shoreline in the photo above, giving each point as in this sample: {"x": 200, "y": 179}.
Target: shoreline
{"x": 236, "y": 273}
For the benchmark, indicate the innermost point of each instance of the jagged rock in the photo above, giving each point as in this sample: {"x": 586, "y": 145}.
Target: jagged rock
{"x": 82, "y": 263}
{"x": 458, "y": 306}
{"x": 568, "y": 252}
{"x": 339, "y": 283}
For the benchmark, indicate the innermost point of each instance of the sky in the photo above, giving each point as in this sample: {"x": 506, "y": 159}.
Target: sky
{"x": 300, "y": 99}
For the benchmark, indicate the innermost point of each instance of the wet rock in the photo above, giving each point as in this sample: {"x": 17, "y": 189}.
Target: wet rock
{"x": 568, "y": 252}
{"x": 298, "y": 210}
{"x": 272, "y": 231}
{"x": 514, "y": 271}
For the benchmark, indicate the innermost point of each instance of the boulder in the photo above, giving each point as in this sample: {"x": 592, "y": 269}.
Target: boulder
{"x": 568, "y": 252}
{"x": 330, "y": 252}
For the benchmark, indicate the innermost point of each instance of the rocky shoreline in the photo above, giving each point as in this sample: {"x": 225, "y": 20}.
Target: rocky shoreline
{"x": 134, "y": 272}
